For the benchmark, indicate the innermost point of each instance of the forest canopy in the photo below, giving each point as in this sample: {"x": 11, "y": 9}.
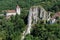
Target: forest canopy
{"x": 49, "y": 5}
{"x": 12, "y": 28}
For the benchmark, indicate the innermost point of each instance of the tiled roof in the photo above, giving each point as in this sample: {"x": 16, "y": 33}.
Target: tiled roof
{"x": 10, "y": 11}
{"x": 56, "y": 15}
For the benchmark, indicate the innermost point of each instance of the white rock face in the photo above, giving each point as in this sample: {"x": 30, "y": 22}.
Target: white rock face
{"x": 29, "y": 22}
{"x": 27, "y": 31}
{"x": 35, "y": 13}
{"x": 34, "y": 16}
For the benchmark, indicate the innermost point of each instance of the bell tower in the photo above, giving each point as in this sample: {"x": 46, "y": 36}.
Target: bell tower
{"x": 18, "y": 11}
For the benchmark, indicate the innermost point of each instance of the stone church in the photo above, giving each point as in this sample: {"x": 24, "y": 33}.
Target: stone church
{"x": 13, "y": 12}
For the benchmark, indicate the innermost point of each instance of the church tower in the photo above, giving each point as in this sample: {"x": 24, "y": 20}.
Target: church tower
{"x": 18, "y": 11}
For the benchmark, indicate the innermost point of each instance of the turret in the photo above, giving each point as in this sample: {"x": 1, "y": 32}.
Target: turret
{"x": 18, "y": 11}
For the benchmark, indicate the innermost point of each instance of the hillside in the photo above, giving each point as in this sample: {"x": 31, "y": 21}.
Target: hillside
{"x": 49, "y": 5}
{"x": 14, "y": 27}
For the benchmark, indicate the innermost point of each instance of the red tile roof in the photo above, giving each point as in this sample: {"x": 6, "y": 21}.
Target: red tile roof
{"x": 10, "y": 11}
{"x": 56, "y": 15}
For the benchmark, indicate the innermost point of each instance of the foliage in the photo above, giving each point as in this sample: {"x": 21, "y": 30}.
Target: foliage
{"x": 12, "y": 28}
{"x": 49, "y": 5}
{"x": 46, "y": 32}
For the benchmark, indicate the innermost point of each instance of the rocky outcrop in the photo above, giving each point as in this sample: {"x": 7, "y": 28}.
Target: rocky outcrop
{"x": 35, "y": 13}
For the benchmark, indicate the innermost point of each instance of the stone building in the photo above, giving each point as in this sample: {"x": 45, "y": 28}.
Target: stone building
{"x": 12, "y": 12}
